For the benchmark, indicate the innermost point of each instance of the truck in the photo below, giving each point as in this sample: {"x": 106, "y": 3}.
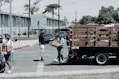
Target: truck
{"x": 97, "y": 42}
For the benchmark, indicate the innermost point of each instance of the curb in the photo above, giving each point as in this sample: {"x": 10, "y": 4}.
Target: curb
{"x": 74, "y": 74}
{"x": 25, "y": 46}
{"x": 18, "y": 48}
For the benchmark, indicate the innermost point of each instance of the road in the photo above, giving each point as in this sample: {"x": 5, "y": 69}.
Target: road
{"x": 27, "y": 60}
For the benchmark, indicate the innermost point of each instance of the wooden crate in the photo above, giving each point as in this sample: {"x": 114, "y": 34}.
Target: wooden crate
{"x": 99, "y": 35}
{"x": 79, "y": 43}
{"x": 102, "y": 44}
{"x": 114, "y": 44}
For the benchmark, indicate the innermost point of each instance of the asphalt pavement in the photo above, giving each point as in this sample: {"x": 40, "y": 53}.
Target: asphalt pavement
{"x": 26, "y": 62}
{"x": 27, "y": 59}
{"x": 20, "y": 44}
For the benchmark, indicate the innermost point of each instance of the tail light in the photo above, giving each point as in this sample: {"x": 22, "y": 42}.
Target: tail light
{"x": 73, "y": 51}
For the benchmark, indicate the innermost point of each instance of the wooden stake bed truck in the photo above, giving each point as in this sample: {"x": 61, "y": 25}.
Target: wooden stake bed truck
{"x": 98, "y": 42}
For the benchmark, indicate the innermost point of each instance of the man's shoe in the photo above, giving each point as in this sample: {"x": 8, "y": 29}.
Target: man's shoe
{"x": 56, "y": 60}
{"x": 9, "y": 71}
{"x": 60, "y": 62}
{"x": 42, "y": 59}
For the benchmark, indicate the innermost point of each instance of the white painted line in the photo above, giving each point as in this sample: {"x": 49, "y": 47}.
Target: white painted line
{"x": 59, "y": 73}
{"x": 40, "y": 66}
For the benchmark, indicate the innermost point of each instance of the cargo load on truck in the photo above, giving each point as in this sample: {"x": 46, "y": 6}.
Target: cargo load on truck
{"x": 98, "y": 42}
{"x": 95, "y": 36}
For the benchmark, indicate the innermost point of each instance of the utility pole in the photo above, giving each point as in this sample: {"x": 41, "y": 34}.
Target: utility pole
{"x": 38, "y": 27}
{"x": 75, "y": 16}
{"x": 29, "y": 19}
{"x": 10, "y": 17}
{"x": 1, "y": 20}
{"x": 58, "y": 16}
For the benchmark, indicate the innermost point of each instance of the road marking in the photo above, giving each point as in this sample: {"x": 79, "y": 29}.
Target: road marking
{"x": 40, "y": 66}
{"x": 97, "y": 72}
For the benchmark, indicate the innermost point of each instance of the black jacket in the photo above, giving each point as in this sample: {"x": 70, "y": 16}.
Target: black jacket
{"x": 41, "y": 38}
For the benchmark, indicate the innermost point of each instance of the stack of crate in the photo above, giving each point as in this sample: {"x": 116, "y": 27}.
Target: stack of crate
{"x": 79, "y": 36}
{"x": 115, "y": 36}
{"x": 103, "y": 36}
{"x": 106, "y": 36}
{"x": 100, "y": 36}
{"x": 83, "y": 35}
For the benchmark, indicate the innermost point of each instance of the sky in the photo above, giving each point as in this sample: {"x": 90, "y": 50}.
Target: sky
{"x": 69, "y": 7}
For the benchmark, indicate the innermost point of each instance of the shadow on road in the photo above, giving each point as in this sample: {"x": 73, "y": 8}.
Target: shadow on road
{"x": 91, "y": 62}
{"x": 83, "y": 62}
{"x": 36, "y": 60}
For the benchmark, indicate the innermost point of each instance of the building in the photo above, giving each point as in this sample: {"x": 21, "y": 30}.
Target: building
{"x": 41, "y": 21}
{"x": 19, "y": 23}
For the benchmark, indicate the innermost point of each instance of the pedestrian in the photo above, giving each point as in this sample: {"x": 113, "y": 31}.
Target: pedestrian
{"x": 42, "y": 44}
{"x": 68, "y": 38}
{"x": 4, "y": 45}
{"x": 4, "y": 40}
{"x": 60, "y": 48}
{"x": 8, "y": 56}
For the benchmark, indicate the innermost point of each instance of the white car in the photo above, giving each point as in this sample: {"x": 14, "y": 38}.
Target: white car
{"x": 13, "y": 36}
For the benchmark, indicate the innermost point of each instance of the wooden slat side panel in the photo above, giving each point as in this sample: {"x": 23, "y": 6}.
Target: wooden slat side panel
{"x": 95, "y": 36}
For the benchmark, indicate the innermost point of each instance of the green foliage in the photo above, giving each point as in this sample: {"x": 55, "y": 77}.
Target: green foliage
{"x": 51, "y": 8}
{"x": 106, "y": 15}
{"x": 33, "y": 8}
{"x": 87, "y": 19}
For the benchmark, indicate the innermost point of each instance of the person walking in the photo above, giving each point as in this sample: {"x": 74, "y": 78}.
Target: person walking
{"x": 9, "y": 49}
{"x": 42, "y": 45}
{"x": 68, "y": 38}
{"x": 60, "y": 49}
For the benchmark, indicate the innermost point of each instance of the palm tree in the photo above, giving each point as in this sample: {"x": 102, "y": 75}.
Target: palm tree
{"x": 51, "y": 8}
{"x": 33, "y": 8}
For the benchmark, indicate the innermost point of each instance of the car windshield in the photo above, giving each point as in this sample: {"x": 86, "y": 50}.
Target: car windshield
{"x": 61, "y": 32}
{"x": 48, "y": 35}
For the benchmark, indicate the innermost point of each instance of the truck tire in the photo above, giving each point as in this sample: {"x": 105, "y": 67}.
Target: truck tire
{"x": 101, "y": 58}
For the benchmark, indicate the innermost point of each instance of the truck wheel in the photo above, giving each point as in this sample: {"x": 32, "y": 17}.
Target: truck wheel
{"x": 101, "y": 58}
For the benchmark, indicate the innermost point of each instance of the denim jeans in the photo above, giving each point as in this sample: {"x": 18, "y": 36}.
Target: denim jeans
{"x": 8, "y": 57}
{"x": 60, "y": 53}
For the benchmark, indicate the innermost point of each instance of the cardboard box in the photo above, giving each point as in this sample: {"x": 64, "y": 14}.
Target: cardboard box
{"x": 54, "y": 44}
{"x": 3, "y": 50}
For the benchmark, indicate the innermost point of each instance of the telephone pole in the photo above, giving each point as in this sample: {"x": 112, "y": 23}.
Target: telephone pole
{"x": 58, "y": 16}
{"x": 75, "y": 16}
{"x": 10, "y": 17}
{"x": 29, "y": 19}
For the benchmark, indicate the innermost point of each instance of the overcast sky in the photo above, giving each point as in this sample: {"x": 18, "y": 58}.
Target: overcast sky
{"x": 83, "y": 7}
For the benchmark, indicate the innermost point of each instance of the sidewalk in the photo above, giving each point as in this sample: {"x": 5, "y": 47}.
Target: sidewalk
{"x": 82, "y": 74}
{"x": 24, "y": 43}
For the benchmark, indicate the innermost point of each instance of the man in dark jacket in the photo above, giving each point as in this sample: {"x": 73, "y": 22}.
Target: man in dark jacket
{"x": 42, "y": 44}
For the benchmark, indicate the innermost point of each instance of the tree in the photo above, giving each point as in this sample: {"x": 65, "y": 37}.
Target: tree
{"x": 107, "y": 15}
{"x": 51, "y": 8}
{"x": 87, "y": 19}
{"x": 33, "y": 8}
